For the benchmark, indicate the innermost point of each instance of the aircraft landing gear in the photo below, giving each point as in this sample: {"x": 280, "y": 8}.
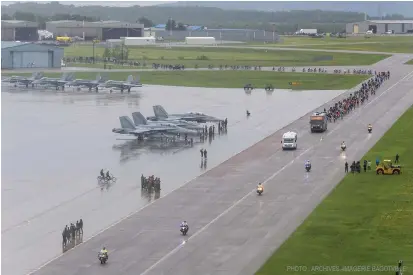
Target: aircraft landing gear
{"x": 129, "y": 91}
{"x": 121, "y": 91}
{"x": 96, "y": 89}
{"x": 111, "y": 91}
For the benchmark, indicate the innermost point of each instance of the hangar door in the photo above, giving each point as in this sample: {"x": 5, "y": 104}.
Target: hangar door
{"x": 36, "y": 59}
{"x": 355, "y": 28}
{"x": 17, "y": 60}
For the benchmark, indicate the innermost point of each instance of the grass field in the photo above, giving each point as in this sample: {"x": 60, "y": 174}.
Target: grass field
{"x": 390, "y": 44}
{"x": 366, "y": 221}
{"x": 409, "y": 62}
{"x": 234, "y": 79}
{"x": 231, "y": 56}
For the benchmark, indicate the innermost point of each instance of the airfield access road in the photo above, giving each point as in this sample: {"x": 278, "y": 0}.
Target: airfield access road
{"x": 232, "y": 231}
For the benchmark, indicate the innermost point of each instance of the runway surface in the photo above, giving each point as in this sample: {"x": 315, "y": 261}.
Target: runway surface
{"x": 232, "y": 231}
{"x": 54, "y": 145}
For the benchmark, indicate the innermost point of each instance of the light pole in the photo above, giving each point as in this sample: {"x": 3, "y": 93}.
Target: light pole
{"x": 273, "y": 33}
{"x": 93, "y": 43}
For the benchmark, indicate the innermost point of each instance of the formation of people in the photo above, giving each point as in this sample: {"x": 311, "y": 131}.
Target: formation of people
{"x": 351, "y": 102}
{"x": 168, "y": 66}
{"x": 150, "y": 183}
{"x": 71, "y": 232}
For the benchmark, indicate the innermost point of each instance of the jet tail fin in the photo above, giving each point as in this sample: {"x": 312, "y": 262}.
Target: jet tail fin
{"x": 129, "y": 79}
{"x": 160, "y": 111}
{"x": 37, "y": 75}
{"x": 102, "y": 78}
{"x": 139, "y": 119}
{"x": 126, "y": 123}
{"x": 136, "y": 80}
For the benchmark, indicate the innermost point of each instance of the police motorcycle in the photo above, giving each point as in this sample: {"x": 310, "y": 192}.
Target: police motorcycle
{"x": 184, "y": 228}
{"x": 308, "y": 166}
{"x": 369, "y": 128}
{"x": 103, "y": 257}
{"x": 343, "y": 146}
{"x": 260, "y": 189}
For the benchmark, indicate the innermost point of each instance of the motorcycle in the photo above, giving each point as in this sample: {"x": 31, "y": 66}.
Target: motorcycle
{"x": 369, "y": 129}
{"x": 260, "y": 190}
{"x": 343, "y": 147}
{"x": 103, "y": 257}
{"x": 184, "y": 230}
{"x": 308, "y": 168}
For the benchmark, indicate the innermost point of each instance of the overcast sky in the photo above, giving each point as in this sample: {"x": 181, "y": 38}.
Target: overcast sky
{"x": 98, "y": 3}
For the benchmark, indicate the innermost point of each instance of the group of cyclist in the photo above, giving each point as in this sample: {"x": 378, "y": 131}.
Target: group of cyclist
{"x": 345, "y": 106}
{"x": 105, "y": 177}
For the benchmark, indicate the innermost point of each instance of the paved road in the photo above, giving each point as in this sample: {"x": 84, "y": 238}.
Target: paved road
{"x": 397, "y": 59}
{"x": 225, "y": 215}
{"x": 287, "y": 49}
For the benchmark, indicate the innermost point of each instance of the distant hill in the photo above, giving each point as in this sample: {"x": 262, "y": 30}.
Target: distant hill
{"x": 371, "y": 8}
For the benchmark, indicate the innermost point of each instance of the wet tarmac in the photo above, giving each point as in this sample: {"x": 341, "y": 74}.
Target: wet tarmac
{"x": 54, "y": 145}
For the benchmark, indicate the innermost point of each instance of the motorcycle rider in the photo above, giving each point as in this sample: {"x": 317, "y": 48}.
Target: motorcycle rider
{"x": 108, "y": 177}
{"x": 104, "y": 252}
{"x": 343, "y": 145}
{"x": 308, "y": 164}
{"x": 102, "y": 174}
{"x": 370, "y": 127}
{"x": 184, "y": 224}
{"x": 260, "y": 186}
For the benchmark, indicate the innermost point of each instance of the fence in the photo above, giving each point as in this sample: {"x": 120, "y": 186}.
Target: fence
{"x": 222, "y": 35}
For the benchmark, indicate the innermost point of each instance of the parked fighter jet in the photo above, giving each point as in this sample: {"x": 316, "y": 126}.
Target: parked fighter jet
{"x": 141, "y": 131}
{"x": 55, "y": 82}
{"x": 22, "y": 80}
{"x": 161, "y": 114}
{"x": 122, "y": 85}
{"x": 91, "y": 84}
{"x": 139, "y": 120}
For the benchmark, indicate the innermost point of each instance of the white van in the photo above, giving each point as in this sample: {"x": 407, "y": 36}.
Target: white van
{"x": 289, "y": 140}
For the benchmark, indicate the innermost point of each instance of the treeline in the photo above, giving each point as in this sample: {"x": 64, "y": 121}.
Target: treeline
{"x": 177, "y": 17}
{"x": 41, "y": 20}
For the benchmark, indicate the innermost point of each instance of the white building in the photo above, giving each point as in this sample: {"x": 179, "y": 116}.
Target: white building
{"x": 200, "y": 40}
{"x": 139, "y": 41}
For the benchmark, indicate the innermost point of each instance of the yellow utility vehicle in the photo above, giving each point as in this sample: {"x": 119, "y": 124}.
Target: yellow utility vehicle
{"x": 386, "y": 167}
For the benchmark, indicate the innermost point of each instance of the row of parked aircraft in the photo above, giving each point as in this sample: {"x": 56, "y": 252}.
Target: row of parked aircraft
{"x": 68, "y": 79}
{"x": 162, "y": 124}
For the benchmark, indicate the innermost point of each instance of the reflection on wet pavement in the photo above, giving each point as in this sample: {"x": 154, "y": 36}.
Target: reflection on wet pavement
{"x": 55, "y": 144}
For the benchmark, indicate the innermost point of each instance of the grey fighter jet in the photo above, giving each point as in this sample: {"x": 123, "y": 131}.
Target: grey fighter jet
{"x": 23, "y": 80}
{"x": 130, "y": 83}
{"x": 91, "y": 84}
{"x": 58, "y": 83}
{"x": 161, "y": 114}
{"x": 139, "y": 120}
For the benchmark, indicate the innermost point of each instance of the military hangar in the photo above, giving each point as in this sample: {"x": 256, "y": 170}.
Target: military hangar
{"x": 381, "y": 26}
{"x": 101, "y": 30}
{"x": 16, "y": 30}
{"x": 16, "y": 55}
